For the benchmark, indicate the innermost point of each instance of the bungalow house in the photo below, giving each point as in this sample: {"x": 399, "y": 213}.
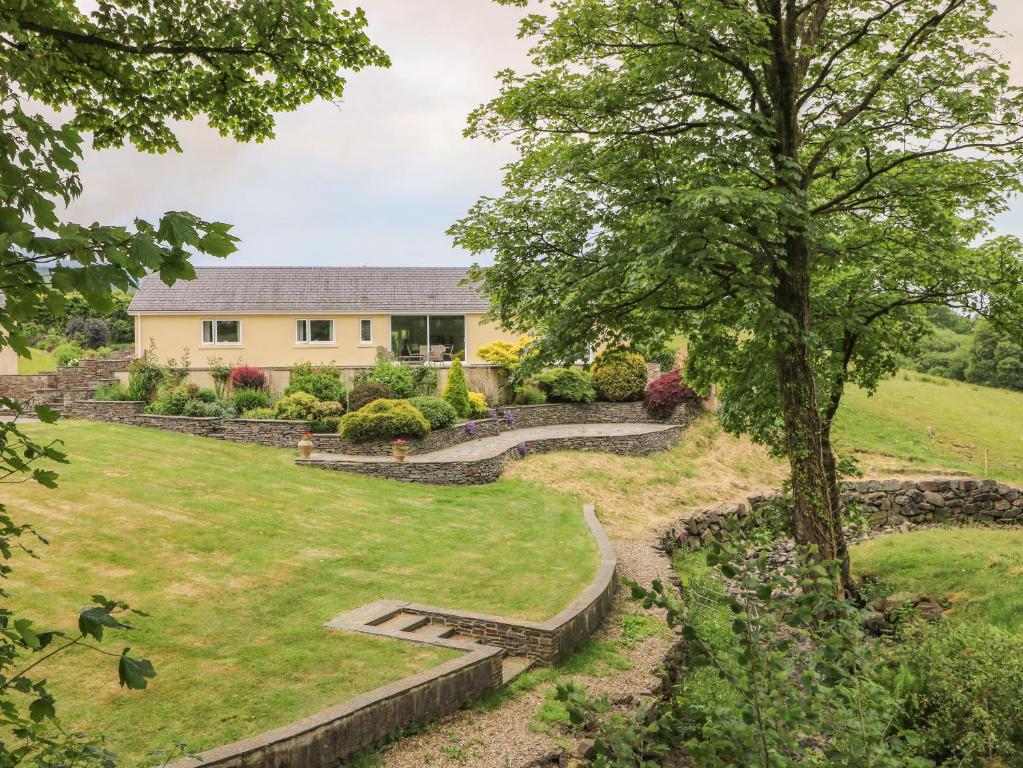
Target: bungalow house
{"x": 275, "y": 317}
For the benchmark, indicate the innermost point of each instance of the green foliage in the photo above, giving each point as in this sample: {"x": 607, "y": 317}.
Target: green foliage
{"x": 478, "y": 408}
{"x": 222, "y": 409}
{"x": 995, "y": 359}
{"x": 68, "y": 354}
{"x": 247, "y": 399}
{"x": 965, "y": 684}
{"x": 505, "y": 355}
{"x": 456, "y": 391}
{"x": 298, "y": 406}
{"x": 366, "y": 392}
{"x": 943, "y": 352}
{"x": 111, "y": 391}
{"x": 384, "y": 419}
{"x": 170, "y": 401}
{"x": 326, "y": 416}
{"x": 567, "y": 385}
{"x": 144, "y": 376}
{"x": 323, "y": 383}
{"x": 259, "y": 413}
{"x": 220, "y": 372}
{"x": 190, "y": 400}
{"x": 424, "y": 381}
{"x": 620, "y": 375}
{"x": 397, "y": 376}
{"x": 437, "y": 412}
{"x": 529, "y": 394}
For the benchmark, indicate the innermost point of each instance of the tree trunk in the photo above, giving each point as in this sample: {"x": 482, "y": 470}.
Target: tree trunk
{"x": 816, "y": 500}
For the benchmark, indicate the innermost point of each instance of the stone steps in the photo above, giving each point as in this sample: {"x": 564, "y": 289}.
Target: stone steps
{"x": 513, "y": 666}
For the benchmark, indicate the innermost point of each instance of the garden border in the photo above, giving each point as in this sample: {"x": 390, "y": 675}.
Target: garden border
{"x": 342, "y": 730}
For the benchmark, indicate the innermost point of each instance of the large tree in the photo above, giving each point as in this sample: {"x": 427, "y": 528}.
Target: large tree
{"x": 788, "y": 181}
{"x": 123, "y": 72}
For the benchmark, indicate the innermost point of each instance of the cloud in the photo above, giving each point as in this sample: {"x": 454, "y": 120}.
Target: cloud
{"x": 376, "y": 181}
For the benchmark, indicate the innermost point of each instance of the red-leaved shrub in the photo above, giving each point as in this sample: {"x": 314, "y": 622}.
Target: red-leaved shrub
{"x": 667, "y": 392}
{"x": 247, "y": 377}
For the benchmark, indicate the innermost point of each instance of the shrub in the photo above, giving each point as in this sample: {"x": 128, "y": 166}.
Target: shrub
{"x": 384, "y": 419}
{"x": 205, "y": 395}
{"x": 327, "y": 416}
{"x": 620, "y": 375}
{"x": 456, "y": 392}
{"x": 424, "y": 381}
{"x": 170, "y": 401}
{"x": 437, "y": 412}
{"x": 75, "y": 329}
{"x": 505, "y": 355}
{"x": 247, "y": 399}
{"x": 365, "y": 392}
{"x": 219, "y": 408}
{"x": 966, "y": 685}
{"x": 259, "y": 413}
{"x": 144, "y": 376}
{"x": 111, "y": 391}
{"x": 323, "y": 384}
{"x": 122, "y": 330}
{"x": 477, "y": 405}
{"x": 221, "y": 374}
{"x": 68, "y": 354}
{"x": 96, "y": 333}
{"x": 567, "y": 385}
{"x": 398, "y": 376}
{"x": 299, "y": 406}
{"x": 529, "y": 394}
{"x": 667, "y": 392}
{"x": 247, "y": 377}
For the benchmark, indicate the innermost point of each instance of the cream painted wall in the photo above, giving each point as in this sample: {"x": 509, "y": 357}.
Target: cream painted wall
{"x": 8, "y": 361}
{"x": 269, "y": 340}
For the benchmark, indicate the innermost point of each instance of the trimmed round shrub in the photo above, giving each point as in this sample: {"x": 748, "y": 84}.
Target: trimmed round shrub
{"x": 456, "y": 391}
{"x": 382, "y": 420}
{"x": 327, "y": 416}
{"x": 247, "y": 399}
{"x": 477, "y": 405}
{"x": 424, "y": 381}
{"x": 323, "y": 385}
{"x": 620, "y": 375}
{"x": 398, "y": 376}
{"x": 259, "y": 413}
{"x": 666, "y": 393}
{"x": 300, "y": 406}
{"x": 567, "y": 385}
{"x": 247, "y": 377}
{"x": 439, "y": 413}
{"x": 68, "y": 353}
{"x": 529, "y": 394}
{"x": 366, "y": 391}
{"x": 75, "y": 329}
{"x": 96, "y": 333}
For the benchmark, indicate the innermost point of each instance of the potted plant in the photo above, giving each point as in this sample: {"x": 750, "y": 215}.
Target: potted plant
{"x": 305, "y": 445}
{"x": 399, "y": 449}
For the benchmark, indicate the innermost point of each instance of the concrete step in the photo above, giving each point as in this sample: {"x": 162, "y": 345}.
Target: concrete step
{"x": 433, "y": 631}
{"x": 513, "y": 666}
{"x": 464, "y": 638}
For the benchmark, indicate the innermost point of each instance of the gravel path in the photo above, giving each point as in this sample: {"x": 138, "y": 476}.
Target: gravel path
{"x": 503, "y": 738}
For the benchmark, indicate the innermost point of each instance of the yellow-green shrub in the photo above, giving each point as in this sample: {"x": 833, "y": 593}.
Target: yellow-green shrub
{"x": 383, "y": 419}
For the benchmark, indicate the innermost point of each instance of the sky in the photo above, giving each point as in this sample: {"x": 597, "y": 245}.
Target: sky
{"x": 378, "y": 180}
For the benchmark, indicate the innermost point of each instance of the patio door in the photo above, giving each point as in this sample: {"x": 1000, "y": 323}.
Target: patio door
{"x": 413, "y": 335}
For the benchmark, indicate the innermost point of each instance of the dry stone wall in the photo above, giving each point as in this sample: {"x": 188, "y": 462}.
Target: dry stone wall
{"x": 272, "y": 432}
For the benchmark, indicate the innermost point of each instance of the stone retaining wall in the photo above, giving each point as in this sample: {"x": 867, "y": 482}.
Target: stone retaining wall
{"x": 21, "y": 386}
{"x": 886, "y": 503}
{"x": 328, "y": 737}
{"x": 434, "y": 441}
{"x": 119, "y": 411}
{"x": 203, "y": 426}
{"x": 272, "y": 432}
{"x": 489, "y": 469}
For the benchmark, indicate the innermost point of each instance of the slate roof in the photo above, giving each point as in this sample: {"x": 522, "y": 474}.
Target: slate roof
{"x": 312, "y": 289}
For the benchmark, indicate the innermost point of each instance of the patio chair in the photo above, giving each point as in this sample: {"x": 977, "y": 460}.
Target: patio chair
{"x": 383, "y": 353}
{"x": 436, "y": 353}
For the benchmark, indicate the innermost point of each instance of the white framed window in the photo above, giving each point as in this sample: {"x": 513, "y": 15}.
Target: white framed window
{"x": 365, "y": 331}
{"x": 314, "y": 331}
{"x": 221, "y": 331}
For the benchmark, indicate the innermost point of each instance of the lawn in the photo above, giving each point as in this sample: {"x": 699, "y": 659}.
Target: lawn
{"x": 980, "y": 570}
{"x": 41, "y": 361}
{"x": 928, "y": 422}
{"x": 240, "y": 557}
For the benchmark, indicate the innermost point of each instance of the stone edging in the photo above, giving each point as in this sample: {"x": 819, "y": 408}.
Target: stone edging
{"x": 337, "y": 732}
{"x": 488, "y": 469}
{"x": 903, "y": 504}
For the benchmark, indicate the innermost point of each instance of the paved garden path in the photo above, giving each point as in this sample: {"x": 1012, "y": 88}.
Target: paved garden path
{"x": 488, "y": 447}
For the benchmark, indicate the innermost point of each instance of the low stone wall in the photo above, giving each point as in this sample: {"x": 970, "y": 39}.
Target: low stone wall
{"x": 886, "y": 503}
{"x": 434, "y": 441}
{"x": 21, "y": 386}
{"x": 328, "y": 737}
{"x": 119, "y": 411}
{"x": 203, "y": 426}
{"x": 272, "y": 432}
{"x": 489, "y": 469}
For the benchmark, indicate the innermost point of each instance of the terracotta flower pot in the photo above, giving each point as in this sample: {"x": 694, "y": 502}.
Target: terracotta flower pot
{"x": 399, "y": 452}
{"x": 305, "y": 448}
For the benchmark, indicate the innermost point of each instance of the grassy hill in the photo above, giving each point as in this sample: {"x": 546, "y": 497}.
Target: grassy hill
{"x": 918, "y": 422}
